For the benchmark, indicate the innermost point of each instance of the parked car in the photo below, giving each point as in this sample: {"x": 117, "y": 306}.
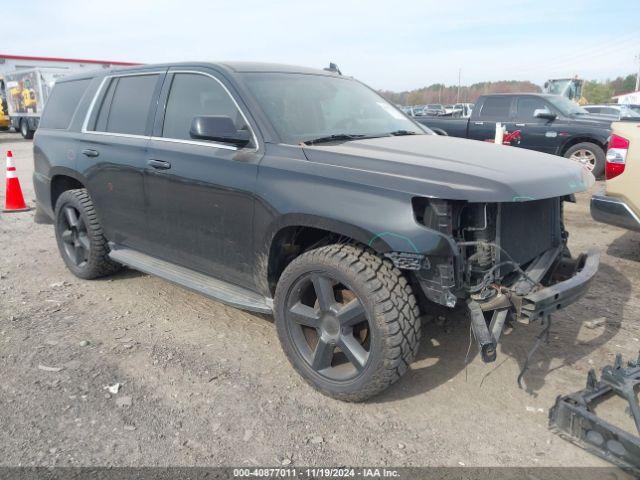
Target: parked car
{"x": 614, "y": 111}
{"x": 547, "y": 123}
{"x": 635, "y": 108}
{"x": 345, "y": 224}
{"x": 418, "y": 110}
{"x": 619, "y": 203}
{"x": 408, "y": 110}
{"x": 434, "y": 109}
{"x": 460, "y": 110}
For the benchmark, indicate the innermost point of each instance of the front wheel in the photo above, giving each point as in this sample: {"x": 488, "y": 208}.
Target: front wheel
{"x": 588, "y": 154}
{"x": 348, "y": 321}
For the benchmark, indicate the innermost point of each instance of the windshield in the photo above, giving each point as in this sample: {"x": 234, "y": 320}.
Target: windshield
{"x": 628, "y": 112}
{"x": 566, "y": 106}
{"x": 305, "y": 107}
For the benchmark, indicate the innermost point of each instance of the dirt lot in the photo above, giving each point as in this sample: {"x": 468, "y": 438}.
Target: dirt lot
{"x": 206, "y": 384}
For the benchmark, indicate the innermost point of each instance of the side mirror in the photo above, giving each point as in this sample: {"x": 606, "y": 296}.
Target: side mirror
{"x": 544, "y": 113}
{"x": 218, "y": 128}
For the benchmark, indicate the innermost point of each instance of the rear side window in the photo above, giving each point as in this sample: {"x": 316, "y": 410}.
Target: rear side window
{"x": 192, "y": 95}
{"x": 126, "y": 105}
{"x": 62, "y": 103}
{"x": 496, "y": 107}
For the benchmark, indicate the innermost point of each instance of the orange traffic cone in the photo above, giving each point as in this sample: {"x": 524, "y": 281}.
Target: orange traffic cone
{"x": 13, "y": 200}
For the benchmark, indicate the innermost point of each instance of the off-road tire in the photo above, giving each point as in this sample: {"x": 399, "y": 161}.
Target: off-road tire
{"x": 389, "y": 303}
{"x": 98, "y": 263}
{"x": 598, "y": 153}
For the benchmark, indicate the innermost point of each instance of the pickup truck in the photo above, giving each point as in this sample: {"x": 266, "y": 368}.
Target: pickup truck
{"x": 619, "y": 203}
{"x": 547, "y": 123}
{"x": 303, "y": 194}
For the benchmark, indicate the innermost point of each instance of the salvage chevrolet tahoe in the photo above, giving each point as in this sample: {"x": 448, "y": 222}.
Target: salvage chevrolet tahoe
{"x": 304, "y": 194}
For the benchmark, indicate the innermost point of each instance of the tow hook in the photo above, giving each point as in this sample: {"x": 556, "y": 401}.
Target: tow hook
{"x": 486, "y": 336}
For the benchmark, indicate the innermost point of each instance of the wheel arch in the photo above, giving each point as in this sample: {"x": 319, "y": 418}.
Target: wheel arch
{"x": 294, "y": 234}
{"x": 582, "y": 139}
{"x": 63, "y": 179}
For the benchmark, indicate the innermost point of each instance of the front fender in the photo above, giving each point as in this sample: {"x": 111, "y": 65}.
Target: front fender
{"x": 293, "y": 191}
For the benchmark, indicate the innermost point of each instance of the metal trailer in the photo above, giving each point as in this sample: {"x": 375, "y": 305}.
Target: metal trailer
{"x": 26, "y": 92}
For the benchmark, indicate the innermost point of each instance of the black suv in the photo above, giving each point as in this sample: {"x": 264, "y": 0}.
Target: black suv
{"x": 303, "y": 193}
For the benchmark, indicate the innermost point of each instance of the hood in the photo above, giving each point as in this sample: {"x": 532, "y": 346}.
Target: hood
{"x": 603, "y": 121}
{"x": 452, "y": 168}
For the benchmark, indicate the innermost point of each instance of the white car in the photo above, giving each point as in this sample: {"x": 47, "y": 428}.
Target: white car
{"x": 616, "y": 111}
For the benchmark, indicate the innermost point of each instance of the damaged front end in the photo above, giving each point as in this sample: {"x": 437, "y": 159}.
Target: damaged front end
{"x": 510, "y": 261}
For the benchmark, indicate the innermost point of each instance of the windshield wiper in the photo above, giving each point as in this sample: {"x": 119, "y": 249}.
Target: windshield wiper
{"x": 398, "y": 133}
{"x": 354, "y": 136}
{"x": 333, "y": 138}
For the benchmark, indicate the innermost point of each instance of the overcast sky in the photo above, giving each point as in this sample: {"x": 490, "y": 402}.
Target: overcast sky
{"x": 388, "y": 44}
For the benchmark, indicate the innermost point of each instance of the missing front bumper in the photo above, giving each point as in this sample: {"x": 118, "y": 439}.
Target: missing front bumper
{"x": 557, "y": 296}
{"x": 538, "y": 305}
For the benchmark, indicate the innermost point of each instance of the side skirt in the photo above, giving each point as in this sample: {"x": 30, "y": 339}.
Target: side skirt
{"x": 222, "y": 291}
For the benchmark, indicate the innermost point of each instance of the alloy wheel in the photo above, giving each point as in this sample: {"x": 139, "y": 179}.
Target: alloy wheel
{"x": 74, "y": 236}
{"x": 585, "y": 157}
{"x": 329, "y": 327}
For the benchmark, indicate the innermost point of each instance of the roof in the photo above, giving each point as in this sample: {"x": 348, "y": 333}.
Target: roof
{"x": 625, "y": 94}
{"x": 245, "y": 67}
{"x": 69, "y": 60}
{"x": 616, "y": 105}
{"x": 231, "y": 67}
{"x": 511, "y": 94}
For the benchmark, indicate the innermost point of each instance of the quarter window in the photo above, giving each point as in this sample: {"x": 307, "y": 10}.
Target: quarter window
{"x": 62, "y": 103}
{"x": 193, "y": 95}
{"x": 126, "y": 105}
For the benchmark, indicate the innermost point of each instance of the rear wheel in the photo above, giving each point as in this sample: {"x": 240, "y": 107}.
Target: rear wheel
{"x": 347, "y": 320}
{"x": 79, "y": 235}
{"x": 25, "y": 131}
{"x": 588, "y": 154}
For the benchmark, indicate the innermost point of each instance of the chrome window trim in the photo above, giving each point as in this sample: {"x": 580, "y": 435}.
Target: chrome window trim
{"x": 165, "y": 139}
{"x": 114, "y": 134}
{"x": 196, "y": 142}
{"x": 95, "y": 99}
{"x": 217, "y": 145}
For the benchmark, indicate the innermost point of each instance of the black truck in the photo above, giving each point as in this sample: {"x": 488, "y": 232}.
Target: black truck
{"x": 547, "y": 123}
{"x": 304, "y": 194}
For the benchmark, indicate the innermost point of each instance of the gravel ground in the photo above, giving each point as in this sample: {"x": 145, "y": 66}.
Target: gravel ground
{"x": 201, "y": 383}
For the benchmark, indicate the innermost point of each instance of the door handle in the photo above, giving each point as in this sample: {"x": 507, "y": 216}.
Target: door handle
{"x": 521, "y": 124}
{"x": 89, "y": 152}
{"x": 478, "y": 123}
{"x": 159, "y": 164}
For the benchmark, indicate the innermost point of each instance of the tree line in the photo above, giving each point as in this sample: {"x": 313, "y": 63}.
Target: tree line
{"x": 594, "y": 91}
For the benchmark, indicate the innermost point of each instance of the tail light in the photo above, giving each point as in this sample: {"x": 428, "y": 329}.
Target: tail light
{"x": 616, "y": 156}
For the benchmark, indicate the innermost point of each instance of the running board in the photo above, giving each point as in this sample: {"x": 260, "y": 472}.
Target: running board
{"x": 216, "y": 289}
